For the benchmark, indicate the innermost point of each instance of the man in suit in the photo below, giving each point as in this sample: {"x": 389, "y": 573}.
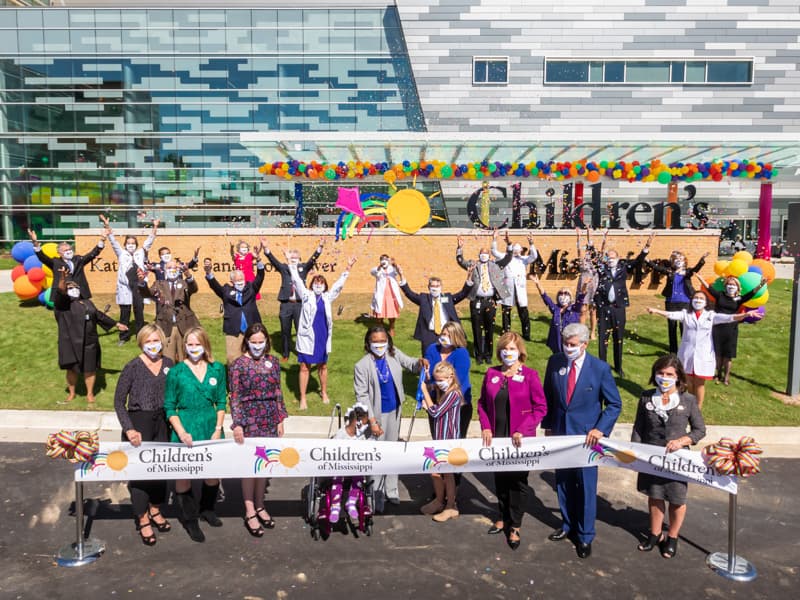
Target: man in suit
{"x": 239, "y": 308}
{"x": 67, "y": 258}
{"x": 582, "y": 399}
{"x": 289, "y": 298}
{"x": 488, "y": 286}
{"x": 159, "y": 269}
{"x": 436, "y": 308}
{"x": 611, "y": 301}
{"x": 173, "y": 313}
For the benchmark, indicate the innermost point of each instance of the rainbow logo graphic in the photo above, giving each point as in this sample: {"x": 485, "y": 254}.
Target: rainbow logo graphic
{"x": 98, "y": 462}
{"x": 265, "y": 458}
{"x": 434, "y": 457}
{"x": 599, "y": 452}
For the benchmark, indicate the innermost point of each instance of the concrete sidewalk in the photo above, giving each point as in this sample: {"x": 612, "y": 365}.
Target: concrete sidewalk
{"x": 35, "y": 425}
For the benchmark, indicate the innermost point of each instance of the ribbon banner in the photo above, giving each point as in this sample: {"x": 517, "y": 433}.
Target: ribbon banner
{"x": 287, "y": 457}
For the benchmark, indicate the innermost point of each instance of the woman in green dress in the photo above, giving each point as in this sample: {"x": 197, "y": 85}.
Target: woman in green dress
{"x": 194, "y": 401}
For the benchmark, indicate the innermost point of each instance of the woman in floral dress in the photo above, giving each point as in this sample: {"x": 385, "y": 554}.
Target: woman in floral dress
{"x": 257, "y": 411}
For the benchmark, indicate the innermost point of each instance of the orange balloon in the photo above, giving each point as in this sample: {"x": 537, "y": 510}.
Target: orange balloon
{"x": 26, "y": 289}
{"x": 593, "y": 176}
{"x": 767, "y": 269}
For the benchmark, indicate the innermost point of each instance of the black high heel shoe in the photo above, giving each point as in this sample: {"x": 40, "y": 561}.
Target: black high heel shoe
{"x": 514, "y": 544}
{"x": 147, "y": 540}
{"x": 652, "y": 541}
{"x": 494, "y": 529}
{"x": 164, "y": 526}
{"x": 266, "y": 523}
{"x": 254, "y": 531}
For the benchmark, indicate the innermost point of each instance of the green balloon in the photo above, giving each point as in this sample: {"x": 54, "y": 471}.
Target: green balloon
{"x": 330, "y": 174}
{"x": 603, "y": 164}
{"x": 48, "y": 300}
{"x": 535, "y": 171}
{"x": 492, "y": 167}
{"x": 664, "y": 177}
{"x": 447, "y": 171}
{"x": 719, "y": 284}
{"x": 301, "y": 167}
{"x": 478, "y": 174}
{"x": 749, "y": 281}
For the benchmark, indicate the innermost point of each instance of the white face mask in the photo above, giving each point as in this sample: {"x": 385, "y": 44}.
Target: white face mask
{"x": 665, "y": 383}
{"x": 483, "y": 257}
{"x": 130, "y": 247}
{"x": 74, "y": 292}
{"x": 443, "y": 384}
{"x": 152, "y": 349}
{"x": 243, "y": 250}
{"x": 172, "y": 273}
{"x": 444, "y": 341}
{"x": 572, "y": 352}
{"x": 361, "y": 429}
{"x": 698, "y": 304}
{"x": 509, "y": 357}
{"x": 68, "y": 254}
{"x": 238, "y": 285}
{"x": 435, "y": 292}
{"x": 256, "y": 349}
{"x": 384, "y": 263}
{"x": 195, "y": 353}
{"x": 165, "y": 258}
{"x": 378, "y": 348}
{"x": 731, "y": 290}
{"x": 563, "y": 300}
{"x": 294, "y": 260}
{"x": 318, "y": 288}
{"x": 678, "y": 264}
{"x": 613, "y": 262}
{"x": 516, "y": 249}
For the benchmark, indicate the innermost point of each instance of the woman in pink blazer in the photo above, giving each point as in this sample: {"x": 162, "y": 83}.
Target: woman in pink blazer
{"x": 512, "y": 404}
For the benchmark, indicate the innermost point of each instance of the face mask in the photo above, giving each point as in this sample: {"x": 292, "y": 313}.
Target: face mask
{"x": 509, "y": 357}
{"x": 74, "y": 292}
{"x": 678, "y": 264}
{"x": 195, "y": 353}
{"x": 153, "y": 349}
{"x": 483, "y": 257}
{"x": 172, "y": 273}
{"x": 572, "y": 352}
{"x": 444, "y": 341}
{"x": 256, "y": 349}
{"x": 294, "y": 260}
{"x": 379, "y": 348}
{"x": 442, "y": 384}
{"x": 130, "y": 247}
{"x": 563, "y": 300}
{"x": 698, "y": 304}
{"x": 665, "y": 383}
{"x": 516, "y": 249}
{"x": 318, "y": 288}
{"x": 435, "y": 292}
{"x": 613, "y": 262}
{"x": 165, "y": 258}
{"x": 238, "y": 285}
{"x": 731, "y": 290}
{"x": 68, "y": 254}
{"x": 361, "y": 429}
{"x": 384, "y": 263}
{"x": 243, "y": 249}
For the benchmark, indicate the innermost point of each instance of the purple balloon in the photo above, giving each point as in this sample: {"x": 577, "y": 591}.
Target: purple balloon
{"x": 760, "y": 310}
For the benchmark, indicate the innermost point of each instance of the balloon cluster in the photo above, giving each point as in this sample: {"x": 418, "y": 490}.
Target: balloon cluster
{"x": 75, "y": 446}
{"x": 591, "y": 170}
{"x": 31, "y": 278}
{"x": 727, "y": 457}
{"x": 749, "y": 272}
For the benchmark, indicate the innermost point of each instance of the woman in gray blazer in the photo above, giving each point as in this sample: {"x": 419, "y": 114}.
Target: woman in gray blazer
{"x": 378, "y": 383}
{"x": 663, "y": 417}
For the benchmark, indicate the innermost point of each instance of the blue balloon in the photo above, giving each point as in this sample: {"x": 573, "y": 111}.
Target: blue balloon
{"x": 42, "y": 299}
{"x": 31, "y": 262}
{"x": 754, "y": 269}
{"x": 22, "y": 250}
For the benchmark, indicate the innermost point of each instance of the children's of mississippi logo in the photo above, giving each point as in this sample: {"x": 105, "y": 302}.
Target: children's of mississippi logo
{"x": 116, "y": 460}
{"x": 433, "y": 457}
{"x": 266, "y": 458}
{"x": 601, "y": 451}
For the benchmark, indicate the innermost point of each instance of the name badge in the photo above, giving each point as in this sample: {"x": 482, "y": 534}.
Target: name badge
{"x": 519, "y": 378}
{"x": 495, "y": 379}
{"x": 268, "y": 364}
{"x": 213, "y": 381}
{"x": 232, "y": 292}
{"x": 178, "y": 286}
{"x": 562, "y": 371}
{"x": 444, "y": 299}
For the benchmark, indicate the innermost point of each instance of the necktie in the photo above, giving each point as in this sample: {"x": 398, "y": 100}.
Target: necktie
{"x": 571, "y": 378}
{"x": 612, "y": 295}
{"x": 243, "y": 324}
{"x": 71, "y": 266}
{"x": 485, "y": 277}
{"x": 437, "y": 316}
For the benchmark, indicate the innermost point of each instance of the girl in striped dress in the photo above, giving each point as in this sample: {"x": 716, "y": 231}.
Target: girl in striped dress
{"x": 445, "y": 411}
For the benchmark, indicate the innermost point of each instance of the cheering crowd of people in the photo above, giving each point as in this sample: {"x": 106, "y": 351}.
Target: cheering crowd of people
{"x": 176, "y": 390}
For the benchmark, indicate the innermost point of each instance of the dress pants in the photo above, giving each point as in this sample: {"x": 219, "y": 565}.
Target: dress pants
{"x": 512, "y": 491}
{"x": 153, "y": 427}
{"x": 289, "y": 313}
{"x": 137, "y": 304}
{"x": 672, "y": 326}
{"x": 524, "y": 319}
{"x": 577, "y": 499}
{"x": 482, "y": 312}
{"x": 390, "y": 423}
{"x": 611, "y": 323}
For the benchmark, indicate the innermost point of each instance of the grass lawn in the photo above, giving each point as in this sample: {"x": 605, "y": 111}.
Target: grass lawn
{"x": 33, "y": 380}
{"x": 7, "y": 263}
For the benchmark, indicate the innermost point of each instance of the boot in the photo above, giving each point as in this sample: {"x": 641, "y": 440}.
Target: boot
{"x": 187, "y": 507}
{"x": 208, "y": 499}
{"x": 506, "y": 319}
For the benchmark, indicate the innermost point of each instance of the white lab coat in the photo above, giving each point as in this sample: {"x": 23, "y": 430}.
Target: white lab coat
{"x": 696, "y": 351}
{"x": 124, "y": 262}
{"x": 305, "y": 331}
{"x": 515, "y": 276}
{"x": 383, "y": 278}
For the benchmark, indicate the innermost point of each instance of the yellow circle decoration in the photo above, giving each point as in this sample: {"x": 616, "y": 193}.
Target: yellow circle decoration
{"x": 457, "y": 457}
{"x": 117, "y": 460}
{"x": 289, "y": 457}
{"x": 408, "y": 211}
{"x": 624, "y": 456}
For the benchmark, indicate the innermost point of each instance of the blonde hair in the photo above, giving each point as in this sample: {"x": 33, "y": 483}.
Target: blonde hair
{"x": 202, "y": 337}
{"x": 511, "y": 337}
{"x": 458, "y": 339}
{"x": 146, "y": 331}
{"x": 445, "y": 369}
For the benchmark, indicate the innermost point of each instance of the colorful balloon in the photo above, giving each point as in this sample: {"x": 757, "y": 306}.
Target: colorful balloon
{"x": 50, "y": 249}
{"x": 737, "y": 267}
{"x": 760, "y": 301}
{"x": 749, "y": 281}
{"x": 767, "y": 269}
{"x": 744, "y": 255}
{"x": 25, "y": 289}
{"x": 17, "y": 272}
{"x": 721, "y": 266}
{"x": 22, "y": 250}
{"x": 36, "y": 275}
{"x": 761, "y": 310}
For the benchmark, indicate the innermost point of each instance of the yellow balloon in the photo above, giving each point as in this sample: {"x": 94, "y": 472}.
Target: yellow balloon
{"x": 48, "y": 272}
{"x": 50, "y": 249}
{"x": 721, "y": 266}
{"x": 48, "y": 282}
{"x": 756, "y": 302}
{"x": 736, "y": 267}
{"x": 745, "y": 256}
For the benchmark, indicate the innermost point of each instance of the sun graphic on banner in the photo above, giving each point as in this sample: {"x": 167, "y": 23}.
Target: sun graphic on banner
{"x": 115, "y": 460}
{"x": 457, "y": 457}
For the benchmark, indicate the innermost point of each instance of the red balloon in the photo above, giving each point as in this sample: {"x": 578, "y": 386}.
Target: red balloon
{"x": 17, "y": 272}
{"x": 35, "y": 275}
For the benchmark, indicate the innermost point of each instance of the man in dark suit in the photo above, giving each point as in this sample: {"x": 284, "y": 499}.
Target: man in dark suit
{"x": 582, "y": 399}
{"x": 436, "y": 308}
{"x": 488, "y": 286}
{"x": 611, "y": 301}
{"x": 239, "y": 308}
{"x": 67, "y": 258}
{"x": 290, "y": 300}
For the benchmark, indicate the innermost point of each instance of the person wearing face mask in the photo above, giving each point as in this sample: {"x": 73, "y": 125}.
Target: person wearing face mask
{"x": 165, "y": 256}
{"x": 172, "y": 298}
{"x": 511, "y": 405}
{"x": 257, "y": 411}
{"x": 314, "y": 334}
{"x": 564, "y": 312}
{"x": 386, "y": 300}
{"x": 436, "y": 308}
{"x": 696, "y": 351}
{"x": 195, "y": 398}
{"x": 74, "y": 263}
{"x": 239, "y": 307}
{"x": 666, "y": 416}
{"x": 611, "y": 300}
{"x": 678, "y": 290}
{"x": 130, "y": 260}
{"x": 445, "y": 412}
{"x": 288, "y": 296}
{"x": 243, "y": 260}
{"x": 582, "y": 399}
{"x": 139, "y": 404}
{"x": 78, "y": 345}
{"x": 514, "y": 275}
{"x": 378, "y": 384}
{"x": 726, "y": 335}
{"x": 356, "y": 428}
{"x": 487, "y": 286}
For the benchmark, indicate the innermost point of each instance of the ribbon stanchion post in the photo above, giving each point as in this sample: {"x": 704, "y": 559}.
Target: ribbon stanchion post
{"x": 727, "y": 564}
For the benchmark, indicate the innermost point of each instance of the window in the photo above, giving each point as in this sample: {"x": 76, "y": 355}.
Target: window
{"x": 490, "y": 70}
{"x": 706, "y": 71}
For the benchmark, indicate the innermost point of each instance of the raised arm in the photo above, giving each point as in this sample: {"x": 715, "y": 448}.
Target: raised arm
{"x": 339, "y": 285}
{"x": 212, "y": 281}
